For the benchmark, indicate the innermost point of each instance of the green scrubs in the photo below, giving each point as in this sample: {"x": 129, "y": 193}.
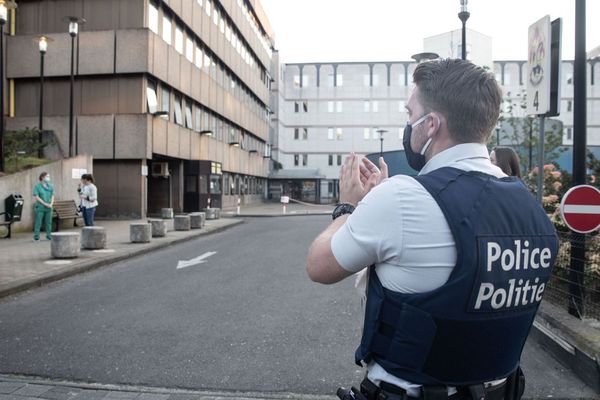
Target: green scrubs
{"x": 44, "y": 191}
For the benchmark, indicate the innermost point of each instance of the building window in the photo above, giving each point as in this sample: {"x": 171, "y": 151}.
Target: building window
{"x": 165, "y": 99}
{"x": 375, "y": 106}
{"x": 569, "y": 105}
{"x": 366, "y": 80}
{"x": 375, "y": 80}
{"x": 330, "y": 106}
{"x": 198, "y": 57}
{"x": 166, "y": 29}
{"x": 330, "y": 160}
{"x": 296, "y": 160}
{"x": 304, "y": 160}
{"x": 189, "y": 49}
{"x": 178, "y": 116}
{"x": 340, "y": 80}
{"x": 339, "y": 106}
{"x": 366, "y": 133}
{"x": 338, "y": 134}
{"x": 296, "y": 107}
{"x": 402, "y": 106}
{"x": 198, "y": 121}
{"x": 153, "y": 17}
{"x": 188, "y": 115}
{"x": 374, "y": 134}
{"x": 367, "y": 106}
{"x": 569, "y": 79}
{"x": 305, "y": 105}
{"x": 569, "y": 133}
{"x": 151, "y": 96}
{"x": 296, "y": 133}
{"x": 339, "y": 159}
{"x": 304, "y": 133}
{"x": 208, "y": 7}
{"x": 216, "y": 16}
{"x": 330, "y": 133}
{"x": 179, "y": 39}
{"x": 199, "y": 2}
{"x": 296, "y": 81}
{"x": 206, "y": 62}
{"x": 401, "y": 80}
{"x": 222, "y": 25}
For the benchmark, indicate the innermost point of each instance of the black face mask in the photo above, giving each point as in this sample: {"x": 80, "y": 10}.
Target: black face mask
{"x": 415, "y": 160}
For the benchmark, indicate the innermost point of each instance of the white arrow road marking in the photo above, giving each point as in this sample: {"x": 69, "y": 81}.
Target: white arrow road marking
{"x": 581, "y": 209}
{"x": 198, "y": 260}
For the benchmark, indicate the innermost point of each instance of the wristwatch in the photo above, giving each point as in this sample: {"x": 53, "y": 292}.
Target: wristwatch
{"x": 341, "y": 209}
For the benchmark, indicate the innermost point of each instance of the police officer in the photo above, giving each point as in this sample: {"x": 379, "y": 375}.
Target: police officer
{"x": 459, "y": 256}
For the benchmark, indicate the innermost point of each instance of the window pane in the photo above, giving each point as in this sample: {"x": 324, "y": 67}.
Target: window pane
{"x": 198, "y": 119}
{"x": 330, "y": 160}
{"x": 208, "y": 7}
{"x": 178, "y": 116}
{"x": 198, "y": 57}
{"x": 339, "y": 106}
{"x": 179, "y": 39}
{"x": 330, "y": 133}
{"x": 330, "y": 106}
{"x": 151, "y": 95}
{"x": 153, "y": 17}
{"x": 166, "y": 32}
{"x": 339, "y": 159}
{"x": 366, "y": 133}
{"x": 189, "y": 49}
{"x": 338, "y": 134}
{"x": 188, "y": 115}
{"x": 166, "y": 99}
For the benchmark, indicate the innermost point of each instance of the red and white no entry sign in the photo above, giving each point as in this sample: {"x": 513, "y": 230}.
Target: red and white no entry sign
{"x": 580, "y": 208}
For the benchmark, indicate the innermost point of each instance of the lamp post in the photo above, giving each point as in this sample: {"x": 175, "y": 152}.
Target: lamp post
{"x": 43, "y": 47}
{"x": 5, "y": 5}
{"x": 74, "y": 23}
{"x": 381, "y": 132}
{"x": 497, "y": 136}
{"x": 464, "y": 15}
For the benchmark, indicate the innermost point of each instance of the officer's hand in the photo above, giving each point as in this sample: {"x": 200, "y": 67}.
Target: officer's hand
{"x": 352, "y": 188}
{"x": 368, "y": 169}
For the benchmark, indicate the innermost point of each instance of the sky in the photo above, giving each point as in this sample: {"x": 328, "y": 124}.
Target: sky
{"x": 393, "y": 30}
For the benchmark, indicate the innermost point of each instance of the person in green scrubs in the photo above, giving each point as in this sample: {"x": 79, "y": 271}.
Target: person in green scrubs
{"x": 43, "y": 194}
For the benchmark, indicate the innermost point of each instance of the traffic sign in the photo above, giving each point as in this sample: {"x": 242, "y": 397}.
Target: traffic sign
{"x": 580, "y": 208}
{"x": 538, "y": 67}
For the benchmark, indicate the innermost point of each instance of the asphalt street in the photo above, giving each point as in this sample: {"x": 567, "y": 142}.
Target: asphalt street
{"x": 245, "y": 317}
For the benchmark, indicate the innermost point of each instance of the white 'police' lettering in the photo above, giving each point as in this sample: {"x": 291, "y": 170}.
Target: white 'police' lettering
{"x": 521, "y": 257}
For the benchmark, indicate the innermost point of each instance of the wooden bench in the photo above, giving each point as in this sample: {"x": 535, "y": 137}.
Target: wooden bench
{"x": 65, "y": 209}
{"x": 7, "y": 222}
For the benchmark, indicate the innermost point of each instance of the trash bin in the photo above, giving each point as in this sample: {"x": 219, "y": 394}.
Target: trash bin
{"x": 13, "y": 204}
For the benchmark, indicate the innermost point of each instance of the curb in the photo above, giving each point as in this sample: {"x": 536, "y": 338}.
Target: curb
{"x": 95, "y": 264}
{"x": 569, "y": 347}
{"x": 225, "y": 215}
{"x": 217, "y": 394}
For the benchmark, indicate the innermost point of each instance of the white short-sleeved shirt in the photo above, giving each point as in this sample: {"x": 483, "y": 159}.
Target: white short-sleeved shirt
{"x": 400, "y": 228}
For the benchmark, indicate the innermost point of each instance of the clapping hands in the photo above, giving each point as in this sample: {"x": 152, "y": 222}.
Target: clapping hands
{"x": 358, "y": 177}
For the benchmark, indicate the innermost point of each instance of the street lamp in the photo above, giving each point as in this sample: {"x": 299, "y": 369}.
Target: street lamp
{"x": 463, "y": 15}
{"x": 43, "y": 47}
{"x": 497, "y": 136}
{"x": 74, "y": 23}
{"x": 5, "y": 5}
{"x": 381, "y": 132}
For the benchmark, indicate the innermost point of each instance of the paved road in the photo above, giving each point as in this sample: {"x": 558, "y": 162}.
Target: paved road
{"x": 247, "y": 319}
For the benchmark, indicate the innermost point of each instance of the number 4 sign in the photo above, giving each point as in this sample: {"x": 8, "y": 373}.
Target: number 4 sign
{"x": 538, "y": 67}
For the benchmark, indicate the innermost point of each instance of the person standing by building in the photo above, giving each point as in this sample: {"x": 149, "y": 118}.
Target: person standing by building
{"x": 88, "y": 193}
{"x": 507, "y": 160}
{"x": 43, "y": 195}
{"x": 449, "y": 302}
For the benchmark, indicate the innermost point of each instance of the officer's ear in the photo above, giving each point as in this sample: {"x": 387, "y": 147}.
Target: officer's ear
{"x": 434, "y": 123}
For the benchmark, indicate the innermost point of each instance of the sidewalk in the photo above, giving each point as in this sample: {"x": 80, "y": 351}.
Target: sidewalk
{"x": 25, "y": 264}
{"x": 27, "y": 388}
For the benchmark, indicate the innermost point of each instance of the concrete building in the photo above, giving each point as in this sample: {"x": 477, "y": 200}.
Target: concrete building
{"x": 328, "y": 110}
{"x": 171, "y": 96}
{"x": 449, "y": 45}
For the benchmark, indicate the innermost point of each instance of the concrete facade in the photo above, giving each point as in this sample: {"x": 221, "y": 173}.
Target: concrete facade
{"x": 203, "y": 64}
{"x": 322, "y": 119}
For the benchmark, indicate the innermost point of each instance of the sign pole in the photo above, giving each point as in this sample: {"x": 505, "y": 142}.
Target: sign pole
{"x": 579, "y": 148}
{"x": 540, "y": 176}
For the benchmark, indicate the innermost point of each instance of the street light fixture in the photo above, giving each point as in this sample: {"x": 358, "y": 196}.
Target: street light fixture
{"x": 206, "y": 132}
{"x": 43, "y": 47}
{"x": 464, "y": 15}
{"x": 381, "y": 132}
{"x": 74, "y": 23}
{"x": 5, "y": 5}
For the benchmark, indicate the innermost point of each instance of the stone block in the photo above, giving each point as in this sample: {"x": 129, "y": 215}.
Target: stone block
{"x": 140, "y": 232}
{"x": 159, "y": 227}
{"x": 182, "y": 223}
{"x": 93, "y": 237}
{"x": 166, "y": 213}
{"x": 212, "y": 213}
{"x": 65, "y": 245}
{"x": 197, "y": 220}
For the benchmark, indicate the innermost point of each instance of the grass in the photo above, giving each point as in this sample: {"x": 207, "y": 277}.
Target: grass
{"x": 17, "y": 164}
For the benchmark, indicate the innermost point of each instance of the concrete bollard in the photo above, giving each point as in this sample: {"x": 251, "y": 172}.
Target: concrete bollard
{"x": 140, "y": 232}
{"x": 213, "y": 213}
{"x": 182, "y": 222}
{"x": 65, "y": 245}
{"x": 93, "y": 237}
{"x": 159, "y": 227}
{"x": 197, "y": 220}
{"x": 166, "y": 213}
